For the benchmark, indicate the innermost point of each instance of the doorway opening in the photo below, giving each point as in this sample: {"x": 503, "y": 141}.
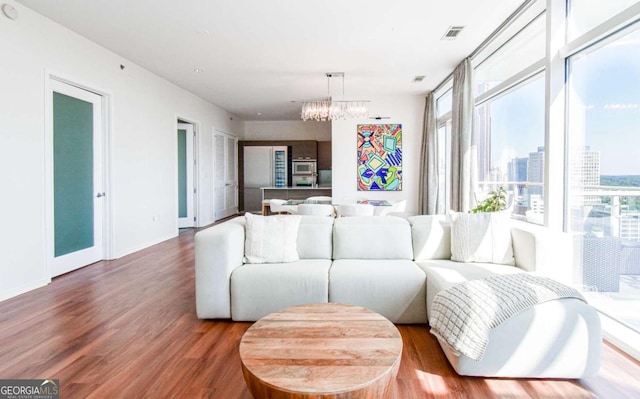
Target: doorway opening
{"x": 187, "y": 190}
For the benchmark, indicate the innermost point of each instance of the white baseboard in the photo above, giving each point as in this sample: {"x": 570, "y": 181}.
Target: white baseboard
{"x": 621, "y": 336}
{"x": 4, "y": 295}
{"x": 148, "y": 244}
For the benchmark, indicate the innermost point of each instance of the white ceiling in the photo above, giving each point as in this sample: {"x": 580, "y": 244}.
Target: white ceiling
{"x": 258, "y": 56}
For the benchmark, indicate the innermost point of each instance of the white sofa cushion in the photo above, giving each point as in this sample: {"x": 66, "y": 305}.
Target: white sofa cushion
{"x": 315, "y": 237}
{"x": 271, "y": 239}
{"x": 541, "y": 250}
{"x": 431, "y": 235}
{"x": 260, "y": 289}
{"x": 395, "y": 288}
{"x": 481, "y": 237}
{"x": 372, "y": 237}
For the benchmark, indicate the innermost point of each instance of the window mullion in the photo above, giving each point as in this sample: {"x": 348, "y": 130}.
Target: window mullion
{"x": 510, "y": 83}
{"x": 555, "y": 134}
{"x": 609, "y": 29}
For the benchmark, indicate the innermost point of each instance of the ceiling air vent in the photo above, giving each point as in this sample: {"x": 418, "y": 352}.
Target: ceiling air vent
{"x": 452, "y": 32}
{"x": 418, "y": 79}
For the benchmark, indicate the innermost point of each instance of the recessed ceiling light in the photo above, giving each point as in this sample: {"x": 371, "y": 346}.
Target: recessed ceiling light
{"x": 198, "y": 70}
{"x": 259, "y": 113}
{"x": 452, "y": 32}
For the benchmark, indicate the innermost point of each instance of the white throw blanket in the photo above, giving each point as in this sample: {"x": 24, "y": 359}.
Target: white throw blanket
{"x": 463, "y": 315}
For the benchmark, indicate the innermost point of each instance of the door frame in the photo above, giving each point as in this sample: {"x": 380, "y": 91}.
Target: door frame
{"x": 107, "y": 208}
{"x": 226, "y": 136}
{"x": 196, "y": 161}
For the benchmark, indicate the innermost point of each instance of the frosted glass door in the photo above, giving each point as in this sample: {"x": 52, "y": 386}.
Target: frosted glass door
{"x": 77, "y": 209}
{"x": 186, "y": 211}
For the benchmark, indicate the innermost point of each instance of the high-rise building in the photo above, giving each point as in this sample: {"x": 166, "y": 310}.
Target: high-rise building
{"x": 630, "y": 227}
{"x": 536, "y": 213}
{"x": 535, "y": 171}
{"x": 584, "y": 169}
{"x": 497, "y": 174}
{"x": 518, "y": 169}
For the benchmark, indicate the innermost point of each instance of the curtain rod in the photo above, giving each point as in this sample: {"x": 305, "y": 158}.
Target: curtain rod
{"x": 502, "y": 27}
{"x": 492, "y": 36}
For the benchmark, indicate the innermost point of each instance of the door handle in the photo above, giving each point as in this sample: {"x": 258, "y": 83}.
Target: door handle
{"x": 99, "y": 195}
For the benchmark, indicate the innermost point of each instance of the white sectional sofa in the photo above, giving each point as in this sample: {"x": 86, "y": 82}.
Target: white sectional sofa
{"x": 396, "y": 267}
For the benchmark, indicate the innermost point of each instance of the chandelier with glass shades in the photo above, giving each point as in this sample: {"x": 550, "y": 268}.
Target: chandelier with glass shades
{"x": 328, "y": 110}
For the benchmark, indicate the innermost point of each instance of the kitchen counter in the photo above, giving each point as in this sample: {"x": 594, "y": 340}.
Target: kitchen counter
{"x": 288, "y": 193}
{"x": 298, "y": 188}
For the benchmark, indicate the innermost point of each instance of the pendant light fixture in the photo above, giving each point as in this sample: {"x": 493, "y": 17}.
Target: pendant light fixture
{"x": 326, "y": 110}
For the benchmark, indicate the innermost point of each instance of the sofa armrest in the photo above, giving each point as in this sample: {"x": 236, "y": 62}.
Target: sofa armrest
{"x": 218, "y": 251}
{"x": 542, "y": 250}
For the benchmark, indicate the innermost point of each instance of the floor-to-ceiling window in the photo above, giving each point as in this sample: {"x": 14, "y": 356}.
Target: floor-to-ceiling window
{"x": 603, "y": 171}
{"x": 573, "y": 86}
{"x": 511, "y": 131}
{"x": 509, "y": 120}
{"x": 602, "y": 160}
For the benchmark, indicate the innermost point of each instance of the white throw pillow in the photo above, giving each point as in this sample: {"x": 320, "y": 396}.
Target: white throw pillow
{"x": 481, "y": 237}
{"x": 271, "y": 239}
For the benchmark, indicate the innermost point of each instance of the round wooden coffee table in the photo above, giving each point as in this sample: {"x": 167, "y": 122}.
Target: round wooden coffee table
{"x": 321, "y": 350}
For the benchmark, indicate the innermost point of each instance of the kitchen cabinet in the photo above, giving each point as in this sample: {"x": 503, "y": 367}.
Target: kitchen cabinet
{"x": 306, "y": 149}
{"x": 324, "y": 155}
{"x": 294, "y": 192}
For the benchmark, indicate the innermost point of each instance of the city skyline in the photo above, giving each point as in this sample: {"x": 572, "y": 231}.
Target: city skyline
{"x": 517, "y": 169}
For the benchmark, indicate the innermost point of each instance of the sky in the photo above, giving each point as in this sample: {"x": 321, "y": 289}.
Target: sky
{"x": 608, "y": 82}
{"x": 605, "y": 92}
{"x": 517, "y": 122}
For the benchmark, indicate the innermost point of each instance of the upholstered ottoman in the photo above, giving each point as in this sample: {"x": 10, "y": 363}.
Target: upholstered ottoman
{"x": 560, "y": 338}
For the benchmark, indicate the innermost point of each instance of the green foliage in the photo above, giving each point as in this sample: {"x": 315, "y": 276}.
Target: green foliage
{"x": 620, "y": 180}
{"x": 496, "y": 201}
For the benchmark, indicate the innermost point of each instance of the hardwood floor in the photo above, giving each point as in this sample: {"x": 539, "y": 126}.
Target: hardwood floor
{"x": 128, "y": 329}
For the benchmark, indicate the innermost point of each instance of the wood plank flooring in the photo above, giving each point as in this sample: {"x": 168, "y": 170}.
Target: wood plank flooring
{"x": 128, "y": 329}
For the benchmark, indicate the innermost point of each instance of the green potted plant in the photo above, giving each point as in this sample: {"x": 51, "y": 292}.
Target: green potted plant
{"x": 496, "y": 201}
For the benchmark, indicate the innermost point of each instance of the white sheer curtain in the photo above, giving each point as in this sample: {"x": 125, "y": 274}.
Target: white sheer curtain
{"x": 464, "y": 155}
{"x": 428, "y": 191}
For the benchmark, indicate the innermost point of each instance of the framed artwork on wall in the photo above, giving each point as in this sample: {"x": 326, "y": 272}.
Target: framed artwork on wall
{"x": 380, "y": 157}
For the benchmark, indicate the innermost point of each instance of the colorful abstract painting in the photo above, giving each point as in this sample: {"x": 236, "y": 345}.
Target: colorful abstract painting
{"x": 380, "y": 157}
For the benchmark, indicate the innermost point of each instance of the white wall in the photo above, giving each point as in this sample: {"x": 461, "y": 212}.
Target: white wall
{"x": 287, "y": 130}
{"x": 406, "y": 110}
{"x": 144, "y": 109}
